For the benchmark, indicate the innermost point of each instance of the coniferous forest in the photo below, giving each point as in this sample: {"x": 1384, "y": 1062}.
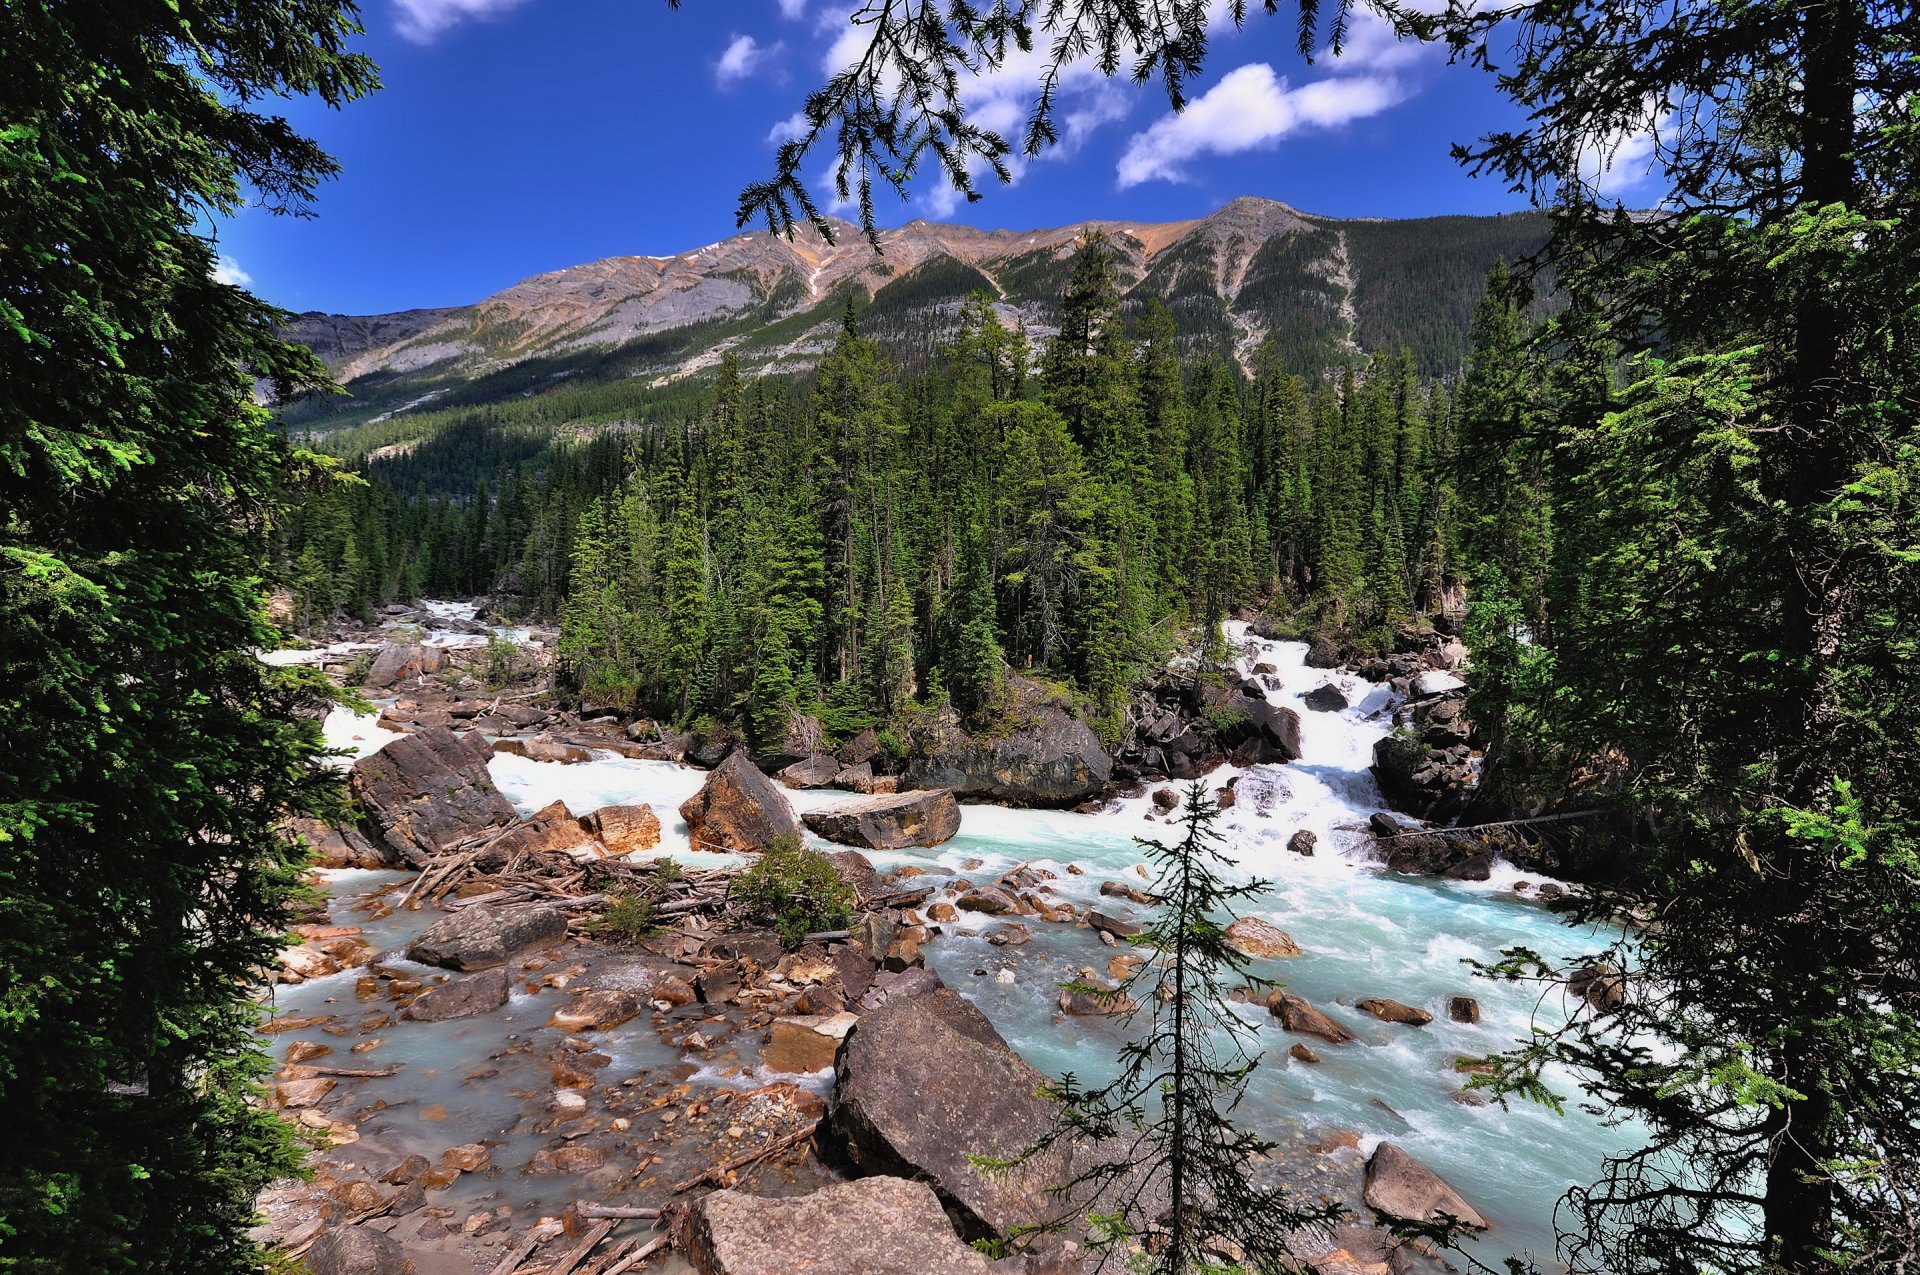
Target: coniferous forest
{"x": 1665, "y": 486}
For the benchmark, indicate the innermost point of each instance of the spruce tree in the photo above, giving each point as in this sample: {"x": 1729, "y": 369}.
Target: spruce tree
{"x": 147, "y": 757}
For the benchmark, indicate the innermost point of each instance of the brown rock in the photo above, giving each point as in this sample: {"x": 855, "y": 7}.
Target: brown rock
{"x": 737, "y": 809}
{"x": 926, "y": 817}
{"x": 543, "y": 748}
{"x": 468, "y": 1158}
{"x": 552, "y": 829}
{"x": 1463, "y": 1009}
{"x": 397, "y": 663}
{"x": 943, "y": 912}
{"x": 1300, "y": 1053}
{"x": 626, "y": 829}
{"x": 1255, "y": 937}
{"x": 597, "y": 1010}
{"x": 1297, "y": 1014}
{"x": 574, "y": 1158}
{"x": 875, "y": 1226}
{"x": 800, "y": 1045}
{"x": 817, "y": 771}
{"x": 356, "y": 1250}
{"x": 989, "y": 899}
{"x": 1392, "y": 1011}
{"x": 1404, "y": 1190}
{"x": 462, "y": 998}
{"x": 1302, "y": 843}
{"x": 1118, "y": 926}
{"x": 1600, "y": 986}
{"x": 303, "y": 1050}
{"x": 303, "y": 1093}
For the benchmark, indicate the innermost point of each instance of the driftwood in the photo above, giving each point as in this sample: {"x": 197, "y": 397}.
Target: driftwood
{"x": 588, "y": 1209}
{"x": 535, "y": 1236}
{"x": 638, "y": 1255}
{"x": 717, "y": 1174}
{"x": 1481, "y": 827}
{"x": 578, "y": 1254}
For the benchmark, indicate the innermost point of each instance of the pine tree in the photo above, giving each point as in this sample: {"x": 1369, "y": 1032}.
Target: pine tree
{"x": 1178, "y": 1173}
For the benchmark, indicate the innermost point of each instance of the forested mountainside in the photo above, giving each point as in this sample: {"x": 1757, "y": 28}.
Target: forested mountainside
{"x": 871, "y": 538}
{"x": 1320, "y": 290}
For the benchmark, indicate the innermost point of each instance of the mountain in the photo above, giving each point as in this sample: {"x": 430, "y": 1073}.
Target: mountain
{"x": 1322, "y": 289}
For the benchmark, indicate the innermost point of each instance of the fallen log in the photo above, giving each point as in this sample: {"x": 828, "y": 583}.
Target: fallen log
{"x": 718, "y": 1172}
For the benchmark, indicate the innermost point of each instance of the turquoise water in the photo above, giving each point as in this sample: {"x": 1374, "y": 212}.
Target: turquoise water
{"x": 1363, "y": 932}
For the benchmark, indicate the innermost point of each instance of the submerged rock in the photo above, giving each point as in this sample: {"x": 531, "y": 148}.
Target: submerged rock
{"x": 425, "y": 792}
{"x": 462, "y": 998}
{"x": 1402, "y": 1189}
{"x": 923, "y": 818}
{"x": 738, "y": 808}
{"x": 877, "y": 1226}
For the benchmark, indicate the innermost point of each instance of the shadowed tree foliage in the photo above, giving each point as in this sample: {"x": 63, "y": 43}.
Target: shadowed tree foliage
{"x": 146, "y": 754}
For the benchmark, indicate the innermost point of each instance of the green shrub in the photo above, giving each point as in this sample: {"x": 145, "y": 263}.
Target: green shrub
{"x": 795, "y": 890}
{"x": 628, "y": 919}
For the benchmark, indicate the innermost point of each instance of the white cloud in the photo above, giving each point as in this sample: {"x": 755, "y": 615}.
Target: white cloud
{"x": 742, "y": 58}
{"x": 1248, "y": 109}
{"x": 227, "y": 270}
{"x": 423, "y": 21}
{"x": 1625, "y": 161}
{"x": 792, "y": 10}
{"x": 790, "y": 129}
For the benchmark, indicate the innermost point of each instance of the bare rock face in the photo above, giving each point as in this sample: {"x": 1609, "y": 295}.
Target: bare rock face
{"x": 343, "y": 847}
{"x": 924, "y": 818}
{"x": 1254, "y": 937}
{"x": 1052, "y": 759}
{"x": 1405, "y": 1190}
{"x": 481, "y": 937}
{"x": 1297, "y": 1014}
{"x": 626, "y": 829}
{"x": 394, "y": 663}
{"x": 924, "y": 1082}
{"x": 462, "y": 998}
{"x": 737, "y": 809}
{"x": 877, "y": 1226}
{"x": 425, "y": 792}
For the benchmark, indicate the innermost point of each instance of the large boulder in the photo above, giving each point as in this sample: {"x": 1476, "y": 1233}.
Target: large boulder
{"x": 816, "y": 771}
{"x": 1252, "y": 936}
{"x": 877, "y": 1226}
{"x": 480, "y": 937}
{"x": 356, "y": 1250}
{"x": 1326, "y": 698}
{"x": 425, "y": 792}
{"x": 923, "y": 1084}
{"x": 1402, "y": 1189}
{"x": 1046, "y": 756}
{"x": 923, "y": 818}
{"x": 479, "y": 993}
{"x": 395, "y": 663}
{"x": 738, "y": 808}
{"x": 1427, "y": 769}
{"x": 1266, "y": 733}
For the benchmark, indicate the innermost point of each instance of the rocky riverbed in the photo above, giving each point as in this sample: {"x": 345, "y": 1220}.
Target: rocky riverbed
{"x": 500, "y": 1089}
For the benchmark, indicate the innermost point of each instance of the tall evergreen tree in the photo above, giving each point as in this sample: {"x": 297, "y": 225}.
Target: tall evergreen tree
{"x": 147, "y": 757}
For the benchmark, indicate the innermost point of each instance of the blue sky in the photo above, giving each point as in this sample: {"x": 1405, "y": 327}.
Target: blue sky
{"x": 518, "y": 136}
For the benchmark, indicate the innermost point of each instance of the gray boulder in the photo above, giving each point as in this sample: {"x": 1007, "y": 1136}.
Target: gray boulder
{"x": 1051, "y": 758}
{"x": 922, "y": 1084}
{"x": 738, "y": 808}
{"x": 877, "y": 1226}
{"x": 924, "y": 818}
{"x": 481, "y": 937}
{"x": 816, "y": 771}
{"x": 425, "y": 792}
{"x": 462, "y": 998}
{"x": 355, "y": 1250}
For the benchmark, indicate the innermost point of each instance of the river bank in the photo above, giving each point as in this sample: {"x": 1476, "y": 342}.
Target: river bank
{"x": 1362, "y": 933}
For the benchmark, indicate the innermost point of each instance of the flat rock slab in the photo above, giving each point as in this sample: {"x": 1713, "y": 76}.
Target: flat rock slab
{"x": 1392, "y": 1011}
{"x": 738, "y": 808}
{"x": 1405, "y": 1190}
{"x": 923, "y": 818}
{"x": 479, "y": 993}
{"x": 877, "y": 1226}
{"x": 479, "y": 937}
